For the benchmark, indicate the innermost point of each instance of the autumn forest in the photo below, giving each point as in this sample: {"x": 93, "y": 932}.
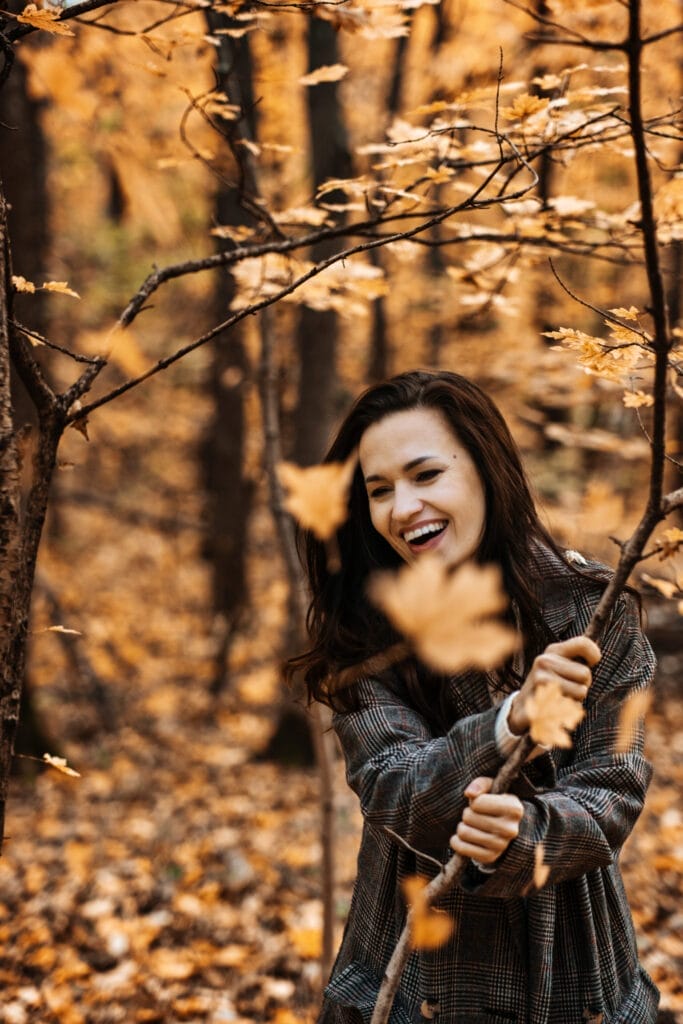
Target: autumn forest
{"x": 219, "y": 221}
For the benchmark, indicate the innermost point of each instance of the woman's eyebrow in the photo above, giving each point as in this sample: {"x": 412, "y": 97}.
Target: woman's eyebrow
{"x": 406, "y": 469}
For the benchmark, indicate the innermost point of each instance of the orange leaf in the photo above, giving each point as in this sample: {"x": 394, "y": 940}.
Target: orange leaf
{"x": 48, "y": 21}
{"x": 448, "y": 616}
{"x": 318, "y": 495}
{"x": 429, "y": 928}
{"x": 552, "y": 715}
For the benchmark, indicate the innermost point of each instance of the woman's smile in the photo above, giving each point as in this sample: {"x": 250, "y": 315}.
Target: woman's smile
{"x": 424, "y": 491}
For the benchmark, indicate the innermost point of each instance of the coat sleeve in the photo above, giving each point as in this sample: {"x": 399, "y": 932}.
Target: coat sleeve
{"x": 585, "y": 819}
{"x": 407, "y": 779}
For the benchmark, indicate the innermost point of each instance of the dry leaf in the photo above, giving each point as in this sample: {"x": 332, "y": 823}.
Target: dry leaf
{"x": 541, "y": 869}
{"x": 448, "y": 616}
{"x": 552, "y": 715}
{"x": 632, "y": 712}
{"x": 429, "y": 928}
{"x": 626, "y": 314}
{"x": 524, "y": 107}
{"x": 48, "y": 21}
{"x": 59, "y": 286}
{"x": 317, "y": 496}
{"x": 20, "y": 284}
{"x": 326, "y": 73}
{"x": 635, "y": 399}
{"x": 63, "y": 629}
{"x": 60, "y": 764}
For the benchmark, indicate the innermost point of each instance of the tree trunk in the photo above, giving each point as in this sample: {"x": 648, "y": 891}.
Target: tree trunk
{"x": 228, "y": 490}
{"x": 318, "y": 330}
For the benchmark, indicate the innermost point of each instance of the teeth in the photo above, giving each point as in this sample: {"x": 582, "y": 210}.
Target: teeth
{"x": 422, "y": 531}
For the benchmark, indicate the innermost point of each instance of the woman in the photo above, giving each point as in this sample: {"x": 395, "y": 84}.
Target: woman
{"x": 438, "y": 472}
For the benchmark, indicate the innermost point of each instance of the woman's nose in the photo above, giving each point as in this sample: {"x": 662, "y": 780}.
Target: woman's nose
{"x": 406, "y": 503}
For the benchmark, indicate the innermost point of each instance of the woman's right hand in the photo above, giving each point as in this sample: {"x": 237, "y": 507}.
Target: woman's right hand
{"x": 559, "y": 663}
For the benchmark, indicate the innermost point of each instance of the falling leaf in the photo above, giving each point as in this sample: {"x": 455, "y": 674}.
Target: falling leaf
{"x": 317, "y": 496}
{"x": 552, "y": 715}
{"x": 448, "y": 616}
{"x": 541, "y": 869}
{"x": 60, "y": 764}
{"x": 20, "y": 284}
{"x": 634, "y": 709}
{"x": 326, "y": 73}
{"x": 48, "y": 21}
{"x": 63, "y": 629}
{"x": 429, "y": 928}
{"x": 59, "y": 286}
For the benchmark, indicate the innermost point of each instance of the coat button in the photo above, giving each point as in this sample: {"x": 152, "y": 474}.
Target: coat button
{"x": 430, "y": 1008}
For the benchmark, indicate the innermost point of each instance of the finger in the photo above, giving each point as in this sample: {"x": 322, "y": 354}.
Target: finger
{"x": 482, "y": 784}
{"x": 506, "y": 827}
{"x": 481, "y": 848}
{"x": 550, "y": 664}
{"x": 498, "y": 805}
{"x": 577, "y": 647}
{"x": 482, "y": 840}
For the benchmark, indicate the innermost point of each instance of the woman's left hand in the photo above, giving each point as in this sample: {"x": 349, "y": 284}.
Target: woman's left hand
{"x": 489, "y": 824}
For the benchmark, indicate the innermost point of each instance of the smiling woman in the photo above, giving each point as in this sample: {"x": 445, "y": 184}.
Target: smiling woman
{"x": 439, "y": 476}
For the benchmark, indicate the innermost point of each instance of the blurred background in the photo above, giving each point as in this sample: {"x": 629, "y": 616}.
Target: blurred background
{"x": 179, "y": 878}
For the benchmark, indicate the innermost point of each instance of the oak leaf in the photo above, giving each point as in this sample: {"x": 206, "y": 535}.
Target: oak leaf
{"x": 429, "y": 928}
{"x": 317, "y": 496}
{"x": 48, "y": 21}
{"x": 448, "y": 616}
{"x": 552, "y": 715}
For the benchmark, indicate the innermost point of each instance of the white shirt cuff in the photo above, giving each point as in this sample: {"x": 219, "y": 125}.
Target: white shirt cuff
{"x": 506, "y": 740}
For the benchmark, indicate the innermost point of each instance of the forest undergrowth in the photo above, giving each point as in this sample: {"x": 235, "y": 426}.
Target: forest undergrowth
{"x": 178, "y": 879}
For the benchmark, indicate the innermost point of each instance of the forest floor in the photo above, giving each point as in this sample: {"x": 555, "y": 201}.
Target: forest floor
{"x": 178, "y": 879}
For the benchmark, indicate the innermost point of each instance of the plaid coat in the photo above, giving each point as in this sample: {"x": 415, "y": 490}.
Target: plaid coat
{"x": 565, "y": 954}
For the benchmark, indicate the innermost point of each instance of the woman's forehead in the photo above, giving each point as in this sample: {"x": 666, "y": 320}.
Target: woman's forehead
{"x": 402, "y": 437}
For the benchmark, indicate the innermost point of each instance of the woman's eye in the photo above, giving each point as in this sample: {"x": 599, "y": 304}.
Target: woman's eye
{"x": 379, "y": 492}
{"x": 427, "y": 474}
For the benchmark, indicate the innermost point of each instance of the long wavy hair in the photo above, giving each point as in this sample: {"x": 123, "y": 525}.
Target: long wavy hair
{"x": 345, "y": 629}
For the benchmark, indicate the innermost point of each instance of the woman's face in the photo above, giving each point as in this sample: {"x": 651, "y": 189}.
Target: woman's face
{"x": 424, "y": 491}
